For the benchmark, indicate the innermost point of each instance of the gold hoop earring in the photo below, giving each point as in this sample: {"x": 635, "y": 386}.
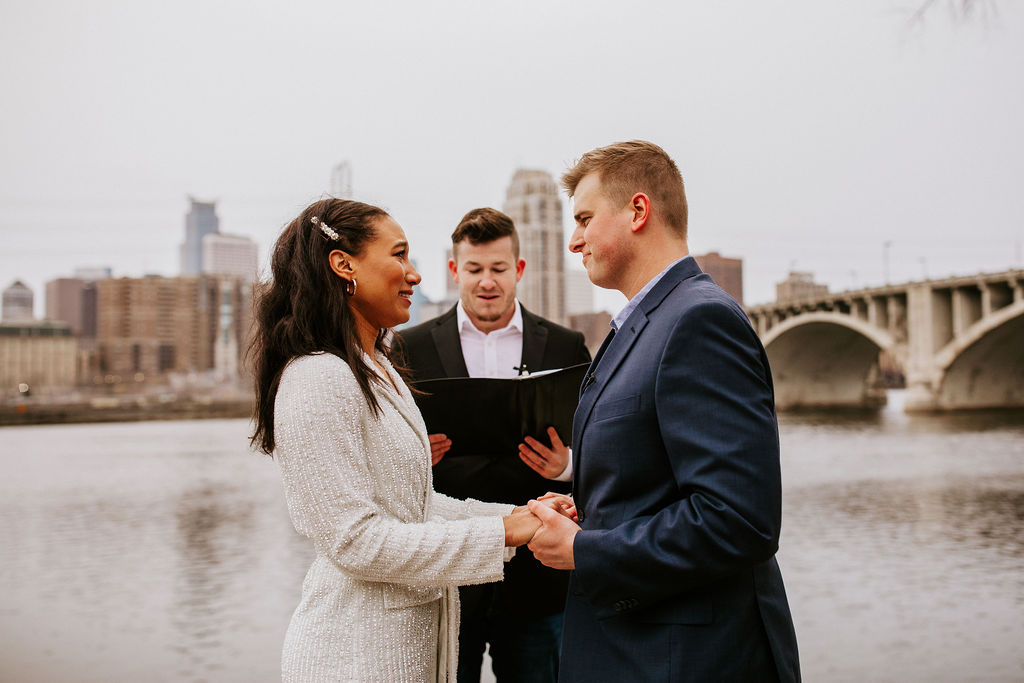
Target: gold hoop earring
{"x": 350, "y": 288}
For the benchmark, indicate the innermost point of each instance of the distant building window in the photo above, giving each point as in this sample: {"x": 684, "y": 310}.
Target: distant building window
{"x": 165, "y": 357}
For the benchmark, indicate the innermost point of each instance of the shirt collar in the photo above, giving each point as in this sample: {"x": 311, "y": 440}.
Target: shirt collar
{"x": 465, "y": 323}
{"x": 624, "y": 314}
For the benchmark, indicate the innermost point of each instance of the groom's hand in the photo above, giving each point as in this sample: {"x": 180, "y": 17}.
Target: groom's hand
{"x": 552, "y": 544}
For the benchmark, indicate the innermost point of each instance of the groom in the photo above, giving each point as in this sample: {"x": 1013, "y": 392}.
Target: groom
{"x": 675, "y": 454}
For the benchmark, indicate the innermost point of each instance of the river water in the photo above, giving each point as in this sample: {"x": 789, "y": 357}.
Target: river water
{"x": 162, "y": 551}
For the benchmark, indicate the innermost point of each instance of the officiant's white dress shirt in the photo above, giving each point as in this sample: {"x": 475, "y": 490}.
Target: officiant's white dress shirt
{"x": 491, "y": 354}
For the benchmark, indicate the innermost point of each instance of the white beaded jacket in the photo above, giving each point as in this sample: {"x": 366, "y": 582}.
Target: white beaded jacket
{"x": 379, "y": 602}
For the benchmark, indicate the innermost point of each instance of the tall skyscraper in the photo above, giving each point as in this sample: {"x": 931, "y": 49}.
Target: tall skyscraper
{"x": 230, "y": 255}
{"x": 341, "y": 181}
{"x": 18, "y": 301}
{"x": 200, "y": 221}
{"x": 533, "y": 203}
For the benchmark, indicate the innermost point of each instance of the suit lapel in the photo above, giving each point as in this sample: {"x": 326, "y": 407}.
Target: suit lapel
{"x": 535, "y": 337}
{"x": 604, "y": 367}
{"x": 597, "y": 359}
{"x": 610, "y": 357}
{"x": 449, "y": 346}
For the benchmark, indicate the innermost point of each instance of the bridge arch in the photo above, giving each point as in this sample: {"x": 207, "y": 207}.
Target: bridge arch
{"x": 983, "y": 367}
{"x": 825, "y": 359}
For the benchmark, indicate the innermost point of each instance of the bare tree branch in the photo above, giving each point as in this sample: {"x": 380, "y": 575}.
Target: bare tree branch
{"x": 918, "y": 15}
{"x": 961, "y": 10}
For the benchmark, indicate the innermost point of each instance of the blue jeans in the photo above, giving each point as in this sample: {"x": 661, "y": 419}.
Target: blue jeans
{"x": 523, "y": 649}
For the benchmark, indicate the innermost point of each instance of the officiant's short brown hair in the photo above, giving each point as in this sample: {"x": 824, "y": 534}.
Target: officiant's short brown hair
{"x": 480, "y": 226}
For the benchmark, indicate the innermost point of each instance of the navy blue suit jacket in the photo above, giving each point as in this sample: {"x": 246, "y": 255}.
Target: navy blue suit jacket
{"x": 677, "y": 482}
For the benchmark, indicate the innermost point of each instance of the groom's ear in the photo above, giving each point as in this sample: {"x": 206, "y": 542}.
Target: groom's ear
{"x": 640, "y": 204}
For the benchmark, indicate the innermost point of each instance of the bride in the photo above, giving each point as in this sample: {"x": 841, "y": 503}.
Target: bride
{"x": 379, "y": 601}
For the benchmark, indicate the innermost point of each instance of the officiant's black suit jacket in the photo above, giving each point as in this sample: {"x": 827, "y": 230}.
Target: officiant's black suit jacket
{"x": 433, "y": 350}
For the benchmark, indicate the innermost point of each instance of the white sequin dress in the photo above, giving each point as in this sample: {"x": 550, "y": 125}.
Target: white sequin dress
{"x": 379, "y": 602}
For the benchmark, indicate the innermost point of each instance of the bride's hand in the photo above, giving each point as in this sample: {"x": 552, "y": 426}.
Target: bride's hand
{"x": 561, "y": 503}
{"x": 520, "y": 527}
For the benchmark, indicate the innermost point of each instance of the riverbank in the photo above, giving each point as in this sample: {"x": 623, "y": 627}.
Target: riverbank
{"x": 124, "y": 409}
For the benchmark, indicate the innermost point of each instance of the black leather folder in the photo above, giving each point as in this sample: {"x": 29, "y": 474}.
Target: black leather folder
{"x": 484, "y": 416}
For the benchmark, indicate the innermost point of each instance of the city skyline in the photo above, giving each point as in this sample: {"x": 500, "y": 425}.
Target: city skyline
{"x": 605, "y": 300}
{"x": 835, "y": 140}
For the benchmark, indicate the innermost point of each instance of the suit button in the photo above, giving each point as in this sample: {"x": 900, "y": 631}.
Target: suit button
{"x": 633, "y": 602}
{"x": 618, "y": 606}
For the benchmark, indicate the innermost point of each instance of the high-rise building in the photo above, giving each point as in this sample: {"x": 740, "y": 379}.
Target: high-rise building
{"x": 341, "y": 181}
{"x": 726, "y": 272}
{"x": 18, "y": 302}
{"x": 200, "y": 221}
{"x": 64, "y": 302}
{"x": 153, "y": 326}
{"x": 73, "y": 300}
{"x": 230, "y": 255}
{"x": 799, "y": 285}
{"x": 533, "y": 203}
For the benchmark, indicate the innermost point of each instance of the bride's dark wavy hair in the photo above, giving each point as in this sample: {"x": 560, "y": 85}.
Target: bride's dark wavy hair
{"x": 304, "y": 308}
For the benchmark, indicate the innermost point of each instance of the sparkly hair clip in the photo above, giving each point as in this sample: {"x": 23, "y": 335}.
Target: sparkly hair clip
{"x": 326, "y": 229}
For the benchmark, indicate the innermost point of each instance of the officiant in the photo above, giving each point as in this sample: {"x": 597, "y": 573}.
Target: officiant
{"x": 488, "y": 333}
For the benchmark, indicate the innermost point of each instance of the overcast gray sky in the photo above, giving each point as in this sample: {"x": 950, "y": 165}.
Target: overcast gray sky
{"x": 809, "y": 133}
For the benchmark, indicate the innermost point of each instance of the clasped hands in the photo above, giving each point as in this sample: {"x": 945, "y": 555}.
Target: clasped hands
{"x": 547, "y": 526}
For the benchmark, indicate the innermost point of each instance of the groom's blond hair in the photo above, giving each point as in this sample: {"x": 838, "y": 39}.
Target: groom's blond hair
{"x": 627, "y": 168}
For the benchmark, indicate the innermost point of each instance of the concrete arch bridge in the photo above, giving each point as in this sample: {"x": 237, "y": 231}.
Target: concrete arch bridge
{"x": 960, "y": 342}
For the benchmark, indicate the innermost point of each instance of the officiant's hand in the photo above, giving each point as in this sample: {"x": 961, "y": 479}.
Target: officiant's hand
{"x": 547, "y": 462}
{"x": 439, "y": 445}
